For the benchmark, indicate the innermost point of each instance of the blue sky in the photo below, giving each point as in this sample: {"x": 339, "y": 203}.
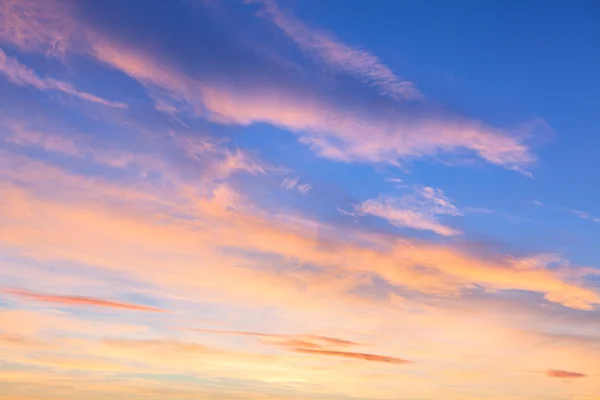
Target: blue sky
{"x": 299, "y": 199}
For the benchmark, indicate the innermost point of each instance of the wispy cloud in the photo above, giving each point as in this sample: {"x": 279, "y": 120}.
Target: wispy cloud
{"x": 18, "y": 133}
{"x": 557, "y": 373}
{"x": 78, "y": 301}
{"x": 98, "y": 202}
{"x": 339, "y": 56}
{"x": 20, "y": 74}
{"x": 579, "y": 213}
{"x": 314, "y": 340}
{"x": 293, "y": 184}
{"x": 312, "y": 344}
{"x": 329, "y": 125}
{"x": 357, "y": 356}
{"x": 416, "y": 211}
{"x": 585, "y": 215}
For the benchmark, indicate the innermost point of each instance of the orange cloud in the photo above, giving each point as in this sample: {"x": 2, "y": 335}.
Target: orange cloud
{"x": 290, "y": 340}
{"x": 312, "y": 344}
{"x": 358, "y": 356}
{"x": 78, "y": 301}
{"x": 557, "y": 373}
{"x": 117, "y": 220}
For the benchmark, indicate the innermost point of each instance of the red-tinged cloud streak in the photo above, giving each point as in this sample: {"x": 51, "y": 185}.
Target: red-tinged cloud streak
{"x": 558, "y": 373}
{"x": 79, "y": 301}
{"x": 313, "y": 344}
{"x": 314, "y": 340}
{"x": 357, "y": 356}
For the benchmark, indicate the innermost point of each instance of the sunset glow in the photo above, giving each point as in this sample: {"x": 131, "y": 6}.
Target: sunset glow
{"x": 299, "y": 200}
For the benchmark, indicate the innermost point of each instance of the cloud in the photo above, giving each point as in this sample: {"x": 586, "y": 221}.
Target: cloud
{"x": 557, "y": 373}
{"x": 338, "y": 133}
{"x": 339, "y": 56}
{"x": 16, "y": 132}
{"x": 357, "y": 356}
{"x": 416, "y": 211}
{"x": 579, "y": 213}
{"x": 116, "y": 220}
{"x": 292, "y": 184}
{"x": 78, "y": 301}
{"x": 159, "y": 209}
{"x": 329, "y": 124}
{"x": 309, "y": 340}
{"x": 312, "y": 344}
{"x": 37, "y": 25}
{"x": 585, "y": 215}
{"x": 20, "y": 74}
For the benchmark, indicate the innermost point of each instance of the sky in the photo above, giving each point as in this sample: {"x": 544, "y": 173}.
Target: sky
{"x": 299, "y": 200}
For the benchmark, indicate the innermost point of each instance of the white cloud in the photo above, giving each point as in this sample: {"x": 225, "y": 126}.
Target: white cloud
{"x": 416, "y": 211}
{"x": 292, "y": 184}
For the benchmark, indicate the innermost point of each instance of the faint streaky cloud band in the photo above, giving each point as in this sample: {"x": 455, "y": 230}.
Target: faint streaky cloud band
{"x": 78, "y": 301}
{"x": 339, "y": 56}
{"x": 579, "y": 213}
{"x": 319, "y": 340}
{"x": 21, "y": 75}
{"x": 358, "y": 356}
{"x": 312, "y": 344}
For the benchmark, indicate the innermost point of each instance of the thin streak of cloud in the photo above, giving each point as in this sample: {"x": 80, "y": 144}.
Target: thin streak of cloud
{"x": 357, "y": 356}
{"x": 292, "y": 184}
{"x": 416, "y": 211}
{"x": 78, "y": 301}
{"x": 394, "y": 180}
{"x": 312, "y": 344}
{"x": 585, "y": 215}
{"x": 579, "y": 213}
{"x": 323, "y": 340}
{"x": 21, "y": 75}
{"x": 339, "y": 56}
{"x": 557, "y": 373}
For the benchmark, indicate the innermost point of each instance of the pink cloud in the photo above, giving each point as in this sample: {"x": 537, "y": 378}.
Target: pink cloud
{"x": 339, "y": 56}
{"x": 20, "y": 74}
{"x": 332, "y": 129}
{"x": 78, "y": 301}
{"x": 35, "y": 25}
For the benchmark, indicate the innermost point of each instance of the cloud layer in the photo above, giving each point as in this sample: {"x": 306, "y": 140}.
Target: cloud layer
{"x": 238, "y": 181}
{"x": 327, "y": 124}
